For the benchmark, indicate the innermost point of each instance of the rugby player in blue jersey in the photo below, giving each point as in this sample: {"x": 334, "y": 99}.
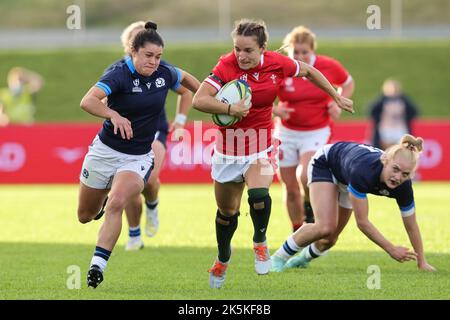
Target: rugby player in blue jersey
{"x": 133, "y": 209}
{"x": 120, "y": 159}
{"x": 339, "y": 176}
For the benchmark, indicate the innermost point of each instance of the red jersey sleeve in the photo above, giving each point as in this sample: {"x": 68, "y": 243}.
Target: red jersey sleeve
{"x": 291, "y": 67}
{"x": 338, "y": 75}
{"x": 219, "y": 75}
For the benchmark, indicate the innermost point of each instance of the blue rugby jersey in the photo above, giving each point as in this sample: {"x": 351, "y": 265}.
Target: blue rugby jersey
{"x": 359, "y": 167}
{"x": 139, "y": 99}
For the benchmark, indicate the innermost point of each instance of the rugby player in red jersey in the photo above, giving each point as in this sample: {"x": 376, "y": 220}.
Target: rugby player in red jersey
{"x": 242, "y": 152}
{"x": 307, "y": 115}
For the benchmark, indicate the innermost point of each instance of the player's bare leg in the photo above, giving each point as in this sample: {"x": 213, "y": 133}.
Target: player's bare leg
{"x": 151, "y": 190}
{"x": 292, "y": 196}
{"x": 133, "y": 211}
{"x": 126, "y": 185}
{"x": 90, "y": 202}
{"x": 320, "y": 247}
{"x": 304, "y": 161}
{"x": 324, "y": 202}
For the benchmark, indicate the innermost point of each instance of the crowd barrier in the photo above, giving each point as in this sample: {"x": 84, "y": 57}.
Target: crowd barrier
{"x": 53, "y": 153}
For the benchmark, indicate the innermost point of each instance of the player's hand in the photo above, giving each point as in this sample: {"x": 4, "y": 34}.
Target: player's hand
{"x": 177, "y": 130}
{"x": 282, "y": 110}
{"x": 123, "y": 125}
{"x": 344, "y": 103}
{"x": 239, "y": 109}
{"x": 334, "y": 110}
{"x": 426, "y": 267}
{"x": 402, "y": 254}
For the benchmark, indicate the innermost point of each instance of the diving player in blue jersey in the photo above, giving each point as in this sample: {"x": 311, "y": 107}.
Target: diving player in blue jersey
{"x": 133, "y": 209}
{"x": 120, "y": 159}
{"x": 339, "y": 177}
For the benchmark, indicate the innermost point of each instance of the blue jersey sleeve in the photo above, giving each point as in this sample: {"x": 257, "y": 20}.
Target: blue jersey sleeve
{"x": 404, "y": 195}
{"x": 111, "y": 80}
{"x": 175, "y": 75}
{"x": 355, "y": 192}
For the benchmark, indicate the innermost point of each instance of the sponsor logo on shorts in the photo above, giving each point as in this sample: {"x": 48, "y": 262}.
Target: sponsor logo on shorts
{"x": 85, "y": 173}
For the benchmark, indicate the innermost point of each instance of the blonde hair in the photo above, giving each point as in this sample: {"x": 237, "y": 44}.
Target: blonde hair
{"x": 409, "y": 147}
{"x": 299, "y": 34}
{"x": 249, "y": 28}
{"x": 125, "y": 38}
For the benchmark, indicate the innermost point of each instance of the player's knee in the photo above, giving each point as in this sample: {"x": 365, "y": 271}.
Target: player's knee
{"x": 84, "y": 216}
{"x": 326, "y": 230}
{"x": 228, "y": 211}
{"x": 153, "y": 185}
{"x": 116, "y": 203}
{"x": 293, "y": 193}
{"x": 227, "y": 219}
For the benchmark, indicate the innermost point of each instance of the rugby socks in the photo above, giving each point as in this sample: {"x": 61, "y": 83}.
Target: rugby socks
{"x": 225, "y": 228}
{"x": 100, "y": 258}
{"x": 152, "y": 204}
{"x": 311, "y": 252}
{"x": 134, "y": 233}
{"x": 288, "y": 249}
{"x": 260, "y": 206}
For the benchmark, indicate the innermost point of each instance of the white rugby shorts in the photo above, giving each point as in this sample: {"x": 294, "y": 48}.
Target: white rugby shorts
{"x": 225, "y": 168}
{"x": 102, "y": 163}
{"x": 294, "y": 143}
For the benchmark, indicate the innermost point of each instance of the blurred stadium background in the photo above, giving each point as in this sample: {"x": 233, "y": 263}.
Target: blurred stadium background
{"x": 413, "y": 45}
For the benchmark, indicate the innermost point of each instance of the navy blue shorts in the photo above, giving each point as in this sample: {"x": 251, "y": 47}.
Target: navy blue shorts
{"x": 318, "y": 169}
{"x": 161, "y": 136}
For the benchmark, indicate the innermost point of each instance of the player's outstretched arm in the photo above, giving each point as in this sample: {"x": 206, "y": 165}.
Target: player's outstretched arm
{"x": 189, "y": 81}
{"x": 183, "y": 105}
{"x": 412, "y": 228}
{"x": 316, "y": 77}
{"x": 361, "y": 209}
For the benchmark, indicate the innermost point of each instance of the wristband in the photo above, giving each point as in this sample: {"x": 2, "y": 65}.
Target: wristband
{"x": 180, "y": 119}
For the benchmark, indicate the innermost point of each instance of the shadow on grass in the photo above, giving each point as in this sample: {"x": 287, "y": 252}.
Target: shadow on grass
{"x": 42, "y": 271}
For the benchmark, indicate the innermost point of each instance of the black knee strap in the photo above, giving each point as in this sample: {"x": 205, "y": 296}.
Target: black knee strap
{"x": 226, "y": 220}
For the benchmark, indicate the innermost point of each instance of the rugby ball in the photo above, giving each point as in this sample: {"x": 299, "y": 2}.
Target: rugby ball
{"x": 232, "y": 92}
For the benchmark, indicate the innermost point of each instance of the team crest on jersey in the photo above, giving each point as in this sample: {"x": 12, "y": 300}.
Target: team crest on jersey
{"x": 160, "y": 82}
{"x": 244, "y": 77}
{"x": 136, "y": 87}
{"x": 274, "y": 78}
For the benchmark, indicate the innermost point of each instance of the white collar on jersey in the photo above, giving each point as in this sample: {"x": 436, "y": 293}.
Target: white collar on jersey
{"x": 262, "y": 60}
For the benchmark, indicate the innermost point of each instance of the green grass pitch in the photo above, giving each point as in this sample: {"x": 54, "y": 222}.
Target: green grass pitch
{"x": 41, "y": 238}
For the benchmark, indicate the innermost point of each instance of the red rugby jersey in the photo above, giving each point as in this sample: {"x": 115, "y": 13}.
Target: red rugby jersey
{"x": 310, "y": 102}
{"x": 254, "y": 132}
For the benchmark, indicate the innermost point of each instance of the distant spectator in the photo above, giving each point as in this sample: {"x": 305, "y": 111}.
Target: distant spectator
{"x": 392, "y": 114}
{"x": 17, "y": 101}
